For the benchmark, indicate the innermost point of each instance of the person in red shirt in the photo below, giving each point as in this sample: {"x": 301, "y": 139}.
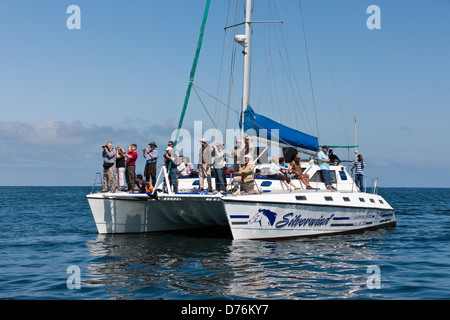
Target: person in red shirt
{"x": 130, "y": 171}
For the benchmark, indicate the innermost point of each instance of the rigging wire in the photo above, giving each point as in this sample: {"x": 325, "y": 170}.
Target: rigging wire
{"x": 331, "y": 70}
{"x": 309, "y": 68}
{"x": 206, "y": 109}
{"x": 283, "y": 69}
{"x": 217, "y": 115}
{"x": 209, "y": 94}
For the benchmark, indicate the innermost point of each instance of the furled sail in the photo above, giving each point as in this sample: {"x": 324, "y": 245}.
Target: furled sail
{"x": 265, "y": 128}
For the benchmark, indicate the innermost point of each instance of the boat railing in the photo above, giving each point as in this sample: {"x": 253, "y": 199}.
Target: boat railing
{"x": 231, "y": 185}
{"x": 98, "y": 181}
{"x": 373, "y": 184}
{"x": 163, "y": 176}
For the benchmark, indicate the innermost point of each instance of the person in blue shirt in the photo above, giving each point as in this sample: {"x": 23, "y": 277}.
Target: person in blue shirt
{"x": 324, "y": 165}
{"x": 151, "y": 156}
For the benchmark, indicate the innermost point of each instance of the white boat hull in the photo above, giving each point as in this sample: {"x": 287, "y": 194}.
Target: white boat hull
{"x": 275, "y": 213}
{"x": 138, "y": 213}
{"x": 283, "y": 216}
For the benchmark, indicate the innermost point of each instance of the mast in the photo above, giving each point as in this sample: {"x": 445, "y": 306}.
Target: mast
{"x": 245, "y": 41}
{"x": 246, "y": 52}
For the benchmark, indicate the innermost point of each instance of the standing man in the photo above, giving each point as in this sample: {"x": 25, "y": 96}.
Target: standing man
{"x": 130, "y": 171}
{"x": 359, "y": 175}
{"x": 204, "y": 165}
{"x": 150, "y": 165}
{"x": 109, "y": 158}
{"x": 238, "y": 156}
{"x": 218, "y": 154}
{"x": 248, "y": 147}
{"x": 324, "y": 165}
{"x": 170, "y": 161}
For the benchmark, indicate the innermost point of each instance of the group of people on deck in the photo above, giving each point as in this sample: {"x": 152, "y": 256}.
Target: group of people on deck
{"x": 280, "y": 170}
{"x": 117, "y": 164}
{"x": 125, "y": 169}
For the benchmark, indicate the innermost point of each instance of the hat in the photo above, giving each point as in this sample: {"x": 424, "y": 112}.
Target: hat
{"x": 248, "y": 156}
{"x": 168, "y": 148}
{"x": 203, "y": 140}
{"x": 152, "y": 143}
{"x": 248, "y": 138}
{"x": 219, "y": 143}
{"x": 325, "y": 147}
{"x": 297, "y": 156}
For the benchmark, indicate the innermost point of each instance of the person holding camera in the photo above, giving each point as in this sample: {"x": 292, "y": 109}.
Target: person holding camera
{"x": 150, "y": 162}
{"x": 130, "y": 170}
{"x": 109, "y": 158}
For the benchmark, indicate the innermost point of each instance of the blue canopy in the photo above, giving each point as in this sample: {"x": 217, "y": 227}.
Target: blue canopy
{"x": 254, "y": 122}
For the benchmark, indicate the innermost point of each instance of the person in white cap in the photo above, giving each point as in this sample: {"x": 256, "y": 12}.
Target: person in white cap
{"x": 109, "y": 158}
{"x": 245, "y": 175}
{"x": 204, "y": 165}
{"x": 218, "y": 154}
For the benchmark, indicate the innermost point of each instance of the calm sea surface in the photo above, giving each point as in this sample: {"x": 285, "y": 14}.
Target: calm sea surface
{"x": 48, "y": 238}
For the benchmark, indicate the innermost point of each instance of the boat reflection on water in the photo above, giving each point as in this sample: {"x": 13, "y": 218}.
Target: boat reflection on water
{"x": 171, "y": 266}
{"x": 159, "y": 266}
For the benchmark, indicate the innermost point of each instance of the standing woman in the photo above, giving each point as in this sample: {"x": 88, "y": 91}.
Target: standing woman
{"x": 120, "y": 169}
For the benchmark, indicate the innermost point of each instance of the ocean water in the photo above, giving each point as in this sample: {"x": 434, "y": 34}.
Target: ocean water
{"x": 50, "y": 249}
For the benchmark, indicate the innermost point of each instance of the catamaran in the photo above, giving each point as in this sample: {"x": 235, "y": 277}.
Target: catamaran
{"x": 271, "y": 211}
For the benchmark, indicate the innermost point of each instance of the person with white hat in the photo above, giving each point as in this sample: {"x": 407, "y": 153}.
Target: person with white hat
{"x": 109, "y": 158}
{"x": 218, "y": 154}
{"x": 204, "y": 165}
{"x": 275, "y": 172}
{"x": 170, "y": 162}
{"x": 245, "y": 175}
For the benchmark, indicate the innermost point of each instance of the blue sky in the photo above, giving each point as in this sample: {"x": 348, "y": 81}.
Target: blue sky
{"x": 123, "y": 77}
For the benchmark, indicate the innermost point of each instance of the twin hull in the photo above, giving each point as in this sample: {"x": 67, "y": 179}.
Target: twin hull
{"x": 136, "y": 213}
{"x": 265, "y": 216}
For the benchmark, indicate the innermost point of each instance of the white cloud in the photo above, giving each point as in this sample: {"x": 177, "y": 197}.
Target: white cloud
{"x": 42, "y": 148}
